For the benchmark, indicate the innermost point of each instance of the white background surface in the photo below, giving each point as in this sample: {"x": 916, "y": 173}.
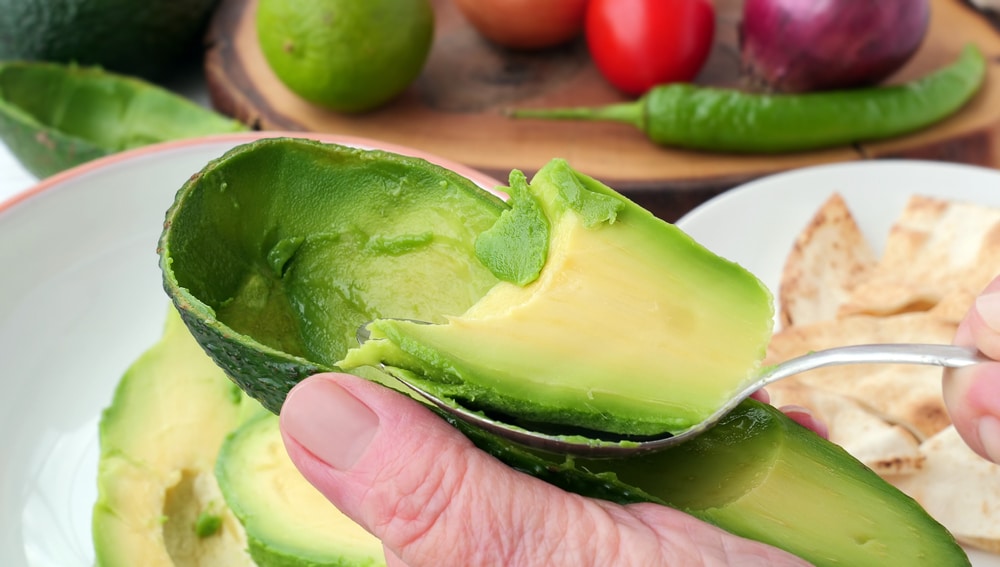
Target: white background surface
{"x": 13, "y": 177}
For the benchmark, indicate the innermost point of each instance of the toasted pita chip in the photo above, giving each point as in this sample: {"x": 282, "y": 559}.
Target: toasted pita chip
{"x": 954, "y": 305}
{"x": 958, "y": 488}
{"x": 886, "y": 448}
{"x": 829, "y": 258}
{"x": 935, "y": 248}
{"x": 907, "y": 395}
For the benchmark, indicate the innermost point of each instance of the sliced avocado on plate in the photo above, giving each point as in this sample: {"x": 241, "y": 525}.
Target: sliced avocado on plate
{"x": 287, "y": 521}
{"x": 276, "y": 252}
{"x": 158, "y": 501}
{"x": 54, "y": 116}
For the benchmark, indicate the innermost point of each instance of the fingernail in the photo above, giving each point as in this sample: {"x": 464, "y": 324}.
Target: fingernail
{"x": 988, "y": 307}
{"x": 329, "y": 422}
{"x": 989, "y": 437}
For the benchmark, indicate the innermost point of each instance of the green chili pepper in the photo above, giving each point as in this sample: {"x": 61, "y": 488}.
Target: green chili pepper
{"x": 716, "y": 119}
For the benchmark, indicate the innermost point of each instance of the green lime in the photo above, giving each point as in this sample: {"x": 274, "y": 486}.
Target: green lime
{"x": 347, "y": 55}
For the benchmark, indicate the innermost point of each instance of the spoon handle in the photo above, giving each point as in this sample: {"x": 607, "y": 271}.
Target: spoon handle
{"x": 948, "y": 356}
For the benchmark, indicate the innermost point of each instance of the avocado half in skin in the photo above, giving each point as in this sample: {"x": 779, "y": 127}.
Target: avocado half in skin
{"x": 276, "y": 252}
{"x": 54, "y": 116}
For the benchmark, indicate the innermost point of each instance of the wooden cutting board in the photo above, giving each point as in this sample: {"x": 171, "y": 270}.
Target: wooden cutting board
{"x": 455, "y": 108}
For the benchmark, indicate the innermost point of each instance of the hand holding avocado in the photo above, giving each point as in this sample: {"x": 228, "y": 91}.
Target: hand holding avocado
{"x": 402, "y": 458}
{"x": 434, "y": 499}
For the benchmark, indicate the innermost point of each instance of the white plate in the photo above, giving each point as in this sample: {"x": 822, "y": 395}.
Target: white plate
{"x": 80, "y": 299}
{"x": 756, "y": 224}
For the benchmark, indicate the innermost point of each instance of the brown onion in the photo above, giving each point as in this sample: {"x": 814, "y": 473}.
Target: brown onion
{"x": 810, "y": 45}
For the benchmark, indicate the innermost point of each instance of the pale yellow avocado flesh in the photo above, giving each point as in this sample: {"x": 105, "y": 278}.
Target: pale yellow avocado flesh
{"x": 288, "y": 521}
{"x": 631, "y": 319}
{"x": 159, "y": 439}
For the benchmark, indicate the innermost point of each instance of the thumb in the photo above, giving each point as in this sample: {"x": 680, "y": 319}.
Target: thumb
{"x": 433, "y": 498}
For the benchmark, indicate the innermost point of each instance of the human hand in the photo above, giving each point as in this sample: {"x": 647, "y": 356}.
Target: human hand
{"x": 972, "y": 394}
{"x": 434, "y": 499}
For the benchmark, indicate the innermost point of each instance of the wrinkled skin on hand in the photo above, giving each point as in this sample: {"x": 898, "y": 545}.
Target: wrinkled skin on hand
{"x": 434, "y": 499}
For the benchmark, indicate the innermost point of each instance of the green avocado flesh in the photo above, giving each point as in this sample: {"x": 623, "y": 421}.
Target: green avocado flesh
{"x": 159, "y": 439}
{"x": 55, "y": 116}
{"x": 194, "y": 473}
{"x": 275, "y": 254}
{"x": 631, "y": 326}
{"x": 288, "y": 522}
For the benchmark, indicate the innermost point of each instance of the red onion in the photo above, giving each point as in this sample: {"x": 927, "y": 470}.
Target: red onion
{"x": 810, "y": 45}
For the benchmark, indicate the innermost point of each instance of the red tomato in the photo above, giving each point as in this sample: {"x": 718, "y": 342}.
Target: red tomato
{"x": 525, "y": 24}
{"x": 637, "y": 44}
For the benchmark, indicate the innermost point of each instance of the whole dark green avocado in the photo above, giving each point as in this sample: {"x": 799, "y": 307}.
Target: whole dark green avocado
{"x": 147, "y": 38}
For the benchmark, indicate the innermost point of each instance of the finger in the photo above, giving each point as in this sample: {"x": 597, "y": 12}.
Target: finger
{"x": 421, "y": 487}
{"x": 761, "y": 396}
{"x": 972, "y": 394}
{"x": 804, "y": 417}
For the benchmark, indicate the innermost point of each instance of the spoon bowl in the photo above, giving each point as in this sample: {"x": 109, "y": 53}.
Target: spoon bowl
{"x": 946, "y": 356}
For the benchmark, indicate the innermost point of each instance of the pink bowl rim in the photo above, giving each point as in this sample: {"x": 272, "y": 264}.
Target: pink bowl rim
{"x": 47, "y": 184}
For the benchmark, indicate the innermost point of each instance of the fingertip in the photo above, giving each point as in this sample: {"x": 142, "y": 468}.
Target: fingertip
{"x": 328, "y": 421}
{"x": 804, "y": 417}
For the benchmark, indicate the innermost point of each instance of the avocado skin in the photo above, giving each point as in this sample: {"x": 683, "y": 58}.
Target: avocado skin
{"x": 266, "y": 374}
{"x": 39, "y": 100}
{"x": 147, "y": 39}
{"x": 715, "y": 476}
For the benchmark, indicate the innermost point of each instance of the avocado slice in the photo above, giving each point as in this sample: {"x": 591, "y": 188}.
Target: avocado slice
{"x": 158, "y": 501}
{"x": 272, "y": 319}
{"x": 287, "y": 521}
{"x": 670, "y": 331}
{"x": 54, "y": 116}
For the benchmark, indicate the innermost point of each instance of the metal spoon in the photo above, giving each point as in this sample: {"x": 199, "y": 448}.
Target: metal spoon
{"x": 903, "y": 353}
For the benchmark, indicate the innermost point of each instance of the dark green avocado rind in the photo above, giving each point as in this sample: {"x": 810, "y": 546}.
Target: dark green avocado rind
{"x": 325, "y": 238}
{"x": 54, "y": 116}
{"x": 742, "y": 475}
{"x": 151, "y": 39}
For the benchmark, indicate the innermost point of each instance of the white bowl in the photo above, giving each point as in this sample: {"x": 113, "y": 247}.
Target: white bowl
{"x": 80, "y": 299}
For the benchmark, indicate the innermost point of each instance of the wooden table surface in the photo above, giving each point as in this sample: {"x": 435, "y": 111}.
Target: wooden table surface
{"x": 455, "y": 108}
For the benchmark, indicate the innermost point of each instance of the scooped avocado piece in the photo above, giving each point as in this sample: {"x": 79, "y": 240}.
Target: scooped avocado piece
{"x": 630, "y": 327}
{"x": 278, "y": 251}
{"x": 288, "y": 522}
{"x": 158, "y": 442}
{"x": 54, "y": 116}
{"x": 762, "y": 476}
{"x": 733, "y": 475}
